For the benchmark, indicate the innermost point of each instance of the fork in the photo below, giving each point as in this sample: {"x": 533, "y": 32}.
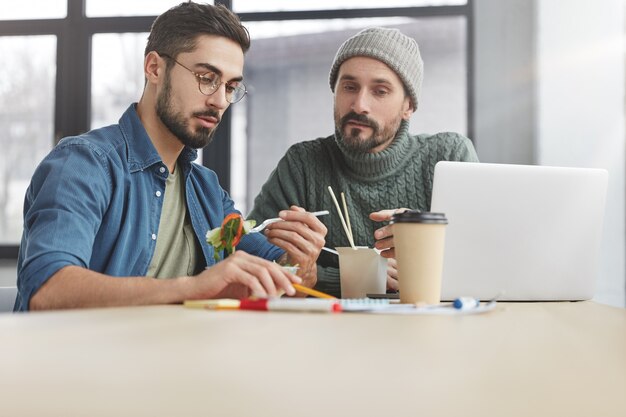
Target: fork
{"x": 267, "y": 222}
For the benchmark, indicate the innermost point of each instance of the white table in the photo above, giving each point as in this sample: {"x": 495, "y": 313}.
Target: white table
{"x": 522, "y": 359}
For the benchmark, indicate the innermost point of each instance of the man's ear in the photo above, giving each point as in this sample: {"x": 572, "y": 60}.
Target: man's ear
{"x": 153, "y": 67}
{"x": 407, "y": 108}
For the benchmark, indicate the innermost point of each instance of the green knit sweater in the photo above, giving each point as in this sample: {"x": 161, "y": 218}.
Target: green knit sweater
{"x": 399, "y": 176}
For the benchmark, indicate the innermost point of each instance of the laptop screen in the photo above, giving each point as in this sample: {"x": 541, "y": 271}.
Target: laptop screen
{"x": 529, "y": 233}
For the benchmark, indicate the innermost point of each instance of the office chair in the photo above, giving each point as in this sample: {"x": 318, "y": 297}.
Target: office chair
{"x": 7, "y": 299}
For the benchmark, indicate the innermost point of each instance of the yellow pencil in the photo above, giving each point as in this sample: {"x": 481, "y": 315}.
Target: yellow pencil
{"x": 311, "y": 292}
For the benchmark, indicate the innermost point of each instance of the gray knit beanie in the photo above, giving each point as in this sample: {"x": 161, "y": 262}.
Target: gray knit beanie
{"x": 396, "y": 50}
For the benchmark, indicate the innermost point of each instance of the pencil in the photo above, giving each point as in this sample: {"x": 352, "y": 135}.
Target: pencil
{"x": 311, "y": 292}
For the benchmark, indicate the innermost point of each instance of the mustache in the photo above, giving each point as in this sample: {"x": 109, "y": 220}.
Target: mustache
{"x": 208, "y": 113}
{"x": 359, "y": 118}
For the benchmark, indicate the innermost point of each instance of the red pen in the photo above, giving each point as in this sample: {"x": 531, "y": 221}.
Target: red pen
{"x": 291, "y": 304}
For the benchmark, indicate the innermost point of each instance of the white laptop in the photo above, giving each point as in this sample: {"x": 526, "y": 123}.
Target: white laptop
{"x": 530, "y": 233}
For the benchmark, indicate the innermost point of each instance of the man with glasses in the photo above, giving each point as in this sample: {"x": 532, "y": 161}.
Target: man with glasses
{"x": 109, "y": 211}
{"x": 376, "y": 78}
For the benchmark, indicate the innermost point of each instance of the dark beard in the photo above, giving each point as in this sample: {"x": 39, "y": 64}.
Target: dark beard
{"x": 351, "y": 139}
{"x": 176, "y": 123}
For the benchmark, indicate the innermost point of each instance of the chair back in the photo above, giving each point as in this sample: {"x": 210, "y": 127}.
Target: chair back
{"x": 7, "y": 299}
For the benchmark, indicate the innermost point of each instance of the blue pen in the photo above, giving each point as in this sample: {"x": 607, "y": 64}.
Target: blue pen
{"x": 465, "y": 303}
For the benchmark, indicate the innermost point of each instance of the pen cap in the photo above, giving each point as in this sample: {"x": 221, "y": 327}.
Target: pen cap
{"x": 416, "y": 216}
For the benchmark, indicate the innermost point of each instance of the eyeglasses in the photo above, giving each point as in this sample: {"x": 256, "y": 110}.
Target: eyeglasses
{"x": 209, "y": 82}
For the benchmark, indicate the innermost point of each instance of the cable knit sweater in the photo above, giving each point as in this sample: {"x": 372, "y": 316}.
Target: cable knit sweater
{"x": 399, "y": 176}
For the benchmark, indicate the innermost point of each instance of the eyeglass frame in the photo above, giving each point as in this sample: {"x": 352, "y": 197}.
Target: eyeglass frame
{"x": 214, "y": 85}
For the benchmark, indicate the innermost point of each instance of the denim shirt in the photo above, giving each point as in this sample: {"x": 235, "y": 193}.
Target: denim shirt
{"x": 95, "y": 201}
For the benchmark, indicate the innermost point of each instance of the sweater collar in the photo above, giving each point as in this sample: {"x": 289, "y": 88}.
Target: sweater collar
{"x": 383, "y": 163}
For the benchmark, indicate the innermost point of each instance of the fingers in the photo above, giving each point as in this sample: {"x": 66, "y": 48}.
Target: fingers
{"x": 392, "y": 275}
{"x": 270, "y": 275}
{"x": 299, "y": 215}
{"x": 384, "y": 235}
{"x": 392, "y": 268}
{"x": 262, "y": 277}
{"x": 301, "y": 253}
{"x": 385, "y": 215}
{"x": 392, "y": 284}
{"x": 384, "y": 242}
{"x": 296, "y": 239}
{"x": 382, "y": 215}
{"x": 303, "y": 231}
{"x": 301, "y": 235}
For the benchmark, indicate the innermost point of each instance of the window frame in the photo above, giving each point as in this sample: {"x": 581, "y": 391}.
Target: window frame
{"x": 73, "y": 76}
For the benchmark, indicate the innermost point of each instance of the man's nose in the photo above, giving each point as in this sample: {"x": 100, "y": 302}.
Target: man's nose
{"x": 218, "y": 98}
{"x": 361, "y": 102}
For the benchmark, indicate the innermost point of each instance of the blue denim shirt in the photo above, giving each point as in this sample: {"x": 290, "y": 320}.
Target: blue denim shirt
{"x": 95, "y": 201}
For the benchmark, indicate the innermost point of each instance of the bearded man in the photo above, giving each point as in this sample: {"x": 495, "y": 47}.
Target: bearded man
{"x": 376, "y": 78}
{"x": 118, "y": 216}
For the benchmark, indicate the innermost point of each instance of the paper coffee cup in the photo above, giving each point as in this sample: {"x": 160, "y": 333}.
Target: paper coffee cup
{"x": 362, "y": 271}
{"x": 419, "y": 240}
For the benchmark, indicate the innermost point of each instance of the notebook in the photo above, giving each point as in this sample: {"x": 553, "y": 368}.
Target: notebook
{"x": 528, "y": 233}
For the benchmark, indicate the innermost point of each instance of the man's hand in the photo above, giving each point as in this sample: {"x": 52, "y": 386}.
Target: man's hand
{"x": 301, "y": 235}
{"x": 238, "y": 276}
{"x": 392, "y": 275}
{"x": 384, "y": 236}
{"x": 242, "y": 275}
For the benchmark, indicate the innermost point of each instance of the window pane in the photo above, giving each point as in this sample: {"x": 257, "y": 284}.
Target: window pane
{"x": 289, "y": 5}
{"x": 34, "y": 9}
{"x": 96, "y": 8}
{"x": 117, "y": 78}
{"x": 290, "y": 70}
{"x": 116, "y": 75}
{"x": 27, "y": 94}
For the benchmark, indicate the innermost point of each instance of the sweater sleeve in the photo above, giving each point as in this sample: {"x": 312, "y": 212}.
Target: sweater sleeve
{"x": 466, "y": 151}
{"x": 462, "y": 149}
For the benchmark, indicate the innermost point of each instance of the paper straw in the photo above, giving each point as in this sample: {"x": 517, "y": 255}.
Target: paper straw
{"x": 345, "y": 209}
{"x": 343, "y": 222}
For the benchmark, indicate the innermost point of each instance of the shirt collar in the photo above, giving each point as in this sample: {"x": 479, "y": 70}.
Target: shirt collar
{"x": 141, "y": 151}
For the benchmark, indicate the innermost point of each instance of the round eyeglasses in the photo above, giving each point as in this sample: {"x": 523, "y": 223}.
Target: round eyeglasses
{"x": 209, "y": 82}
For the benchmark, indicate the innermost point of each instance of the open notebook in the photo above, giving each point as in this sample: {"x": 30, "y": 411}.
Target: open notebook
{"x": 530, "y": 232}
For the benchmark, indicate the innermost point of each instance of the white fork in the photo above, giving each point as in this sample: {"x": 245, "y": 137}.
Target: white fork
{"x": 267, "y": 222}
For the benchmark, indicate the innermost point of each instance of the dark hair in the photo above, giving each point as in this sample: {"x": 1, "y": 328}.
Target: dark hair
{"x": 177, "y": 29}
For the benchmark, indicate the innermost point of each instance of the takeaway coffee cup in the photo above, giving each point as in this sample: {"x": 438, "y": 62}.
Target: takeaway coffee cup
{"x": 419, "y": 243}
{"x": 362, "y": 271}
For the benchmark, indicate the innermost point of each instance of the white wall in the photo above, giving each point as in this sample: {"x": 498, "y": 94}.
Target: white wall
{"x": 550, "y": 91}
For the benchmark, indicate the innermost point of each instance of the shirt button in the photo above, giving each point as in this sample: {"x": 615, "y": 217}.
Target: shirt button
{"x": 162, "y": 170}
{"x": 158, "y": 193}
{"x": 153, "y": 236}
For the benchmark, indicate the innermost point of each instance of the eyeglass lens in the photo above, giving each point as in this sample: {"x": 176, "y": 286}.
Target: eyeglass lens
{"x": 210, "y": 82}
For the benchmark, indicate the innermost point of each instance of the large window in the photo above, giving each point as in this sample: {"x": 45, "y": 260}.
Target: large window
{"x": 116, "y": 75}
{"x": 240, "y": 6}
{"x": 72, "y": 65}
{"x": 26, "y": 121}
{"x": 34, "y": 9}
